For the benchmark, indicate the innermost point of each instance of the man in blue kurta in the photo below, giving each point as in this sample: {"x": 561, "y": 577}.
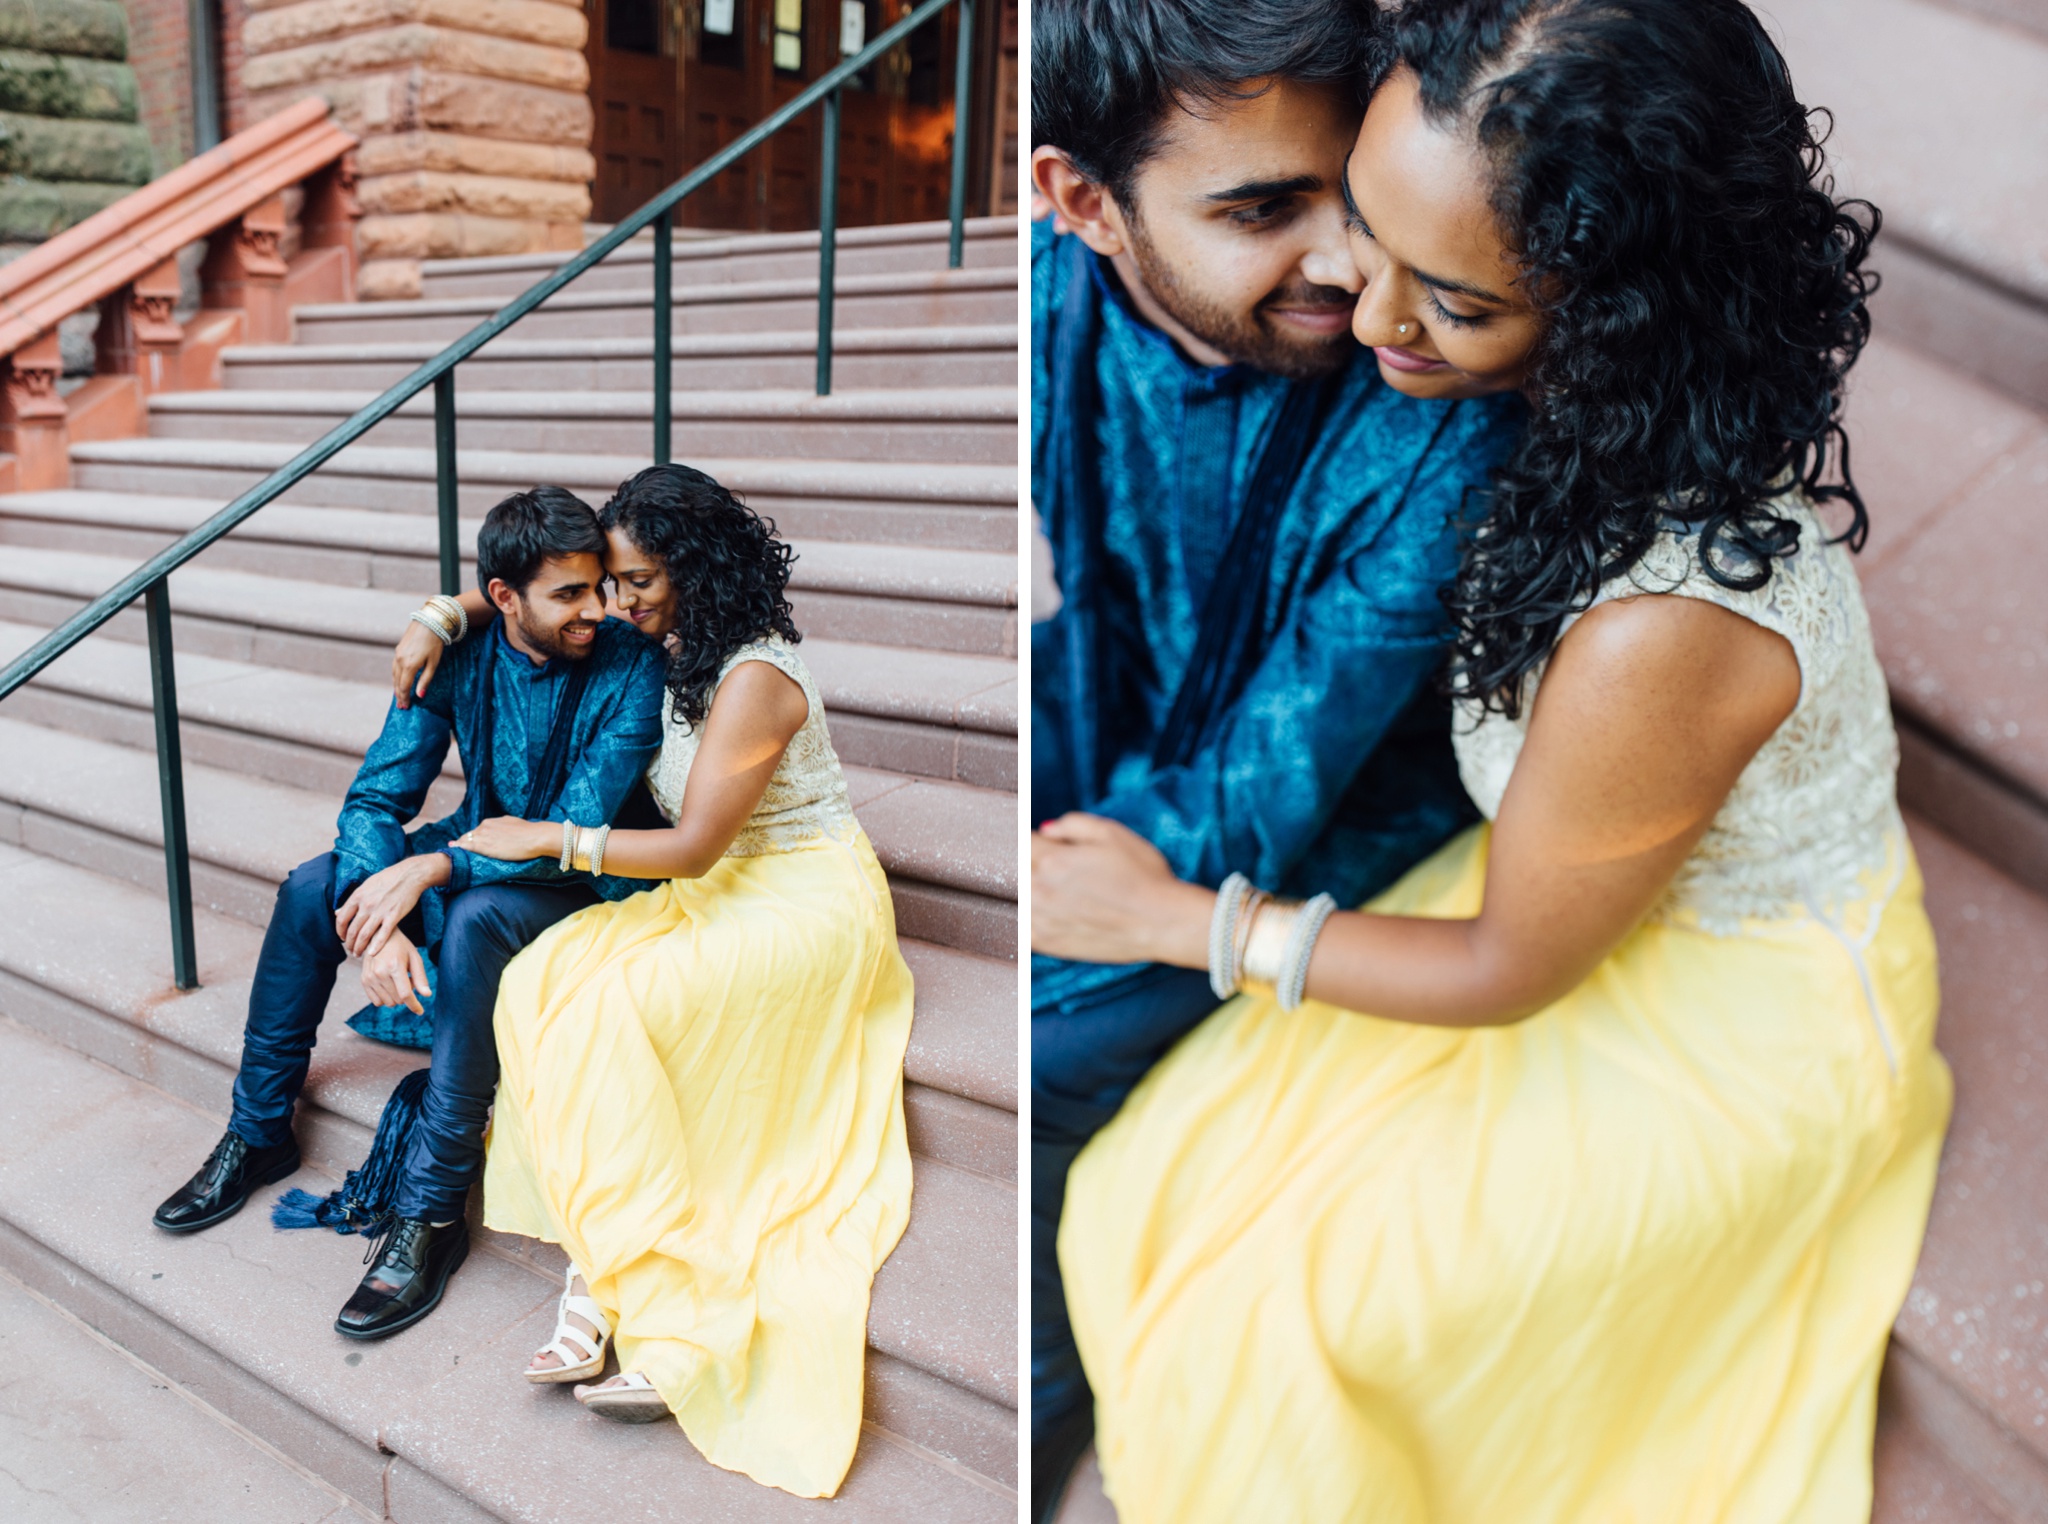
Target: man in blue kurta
{"x": 1249, "y": 528}
{"x": 555, "y": 712}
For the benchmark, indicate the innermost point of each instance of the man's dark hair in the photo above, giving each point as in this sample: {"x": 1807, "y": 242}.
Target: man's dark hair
{"x": 1104, "y": 73}
{"x": 530, "y": 527}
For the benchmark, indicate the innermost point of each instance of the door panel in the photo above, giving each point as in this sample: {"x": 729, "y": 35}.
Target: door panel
{"x": 633, "y": 97}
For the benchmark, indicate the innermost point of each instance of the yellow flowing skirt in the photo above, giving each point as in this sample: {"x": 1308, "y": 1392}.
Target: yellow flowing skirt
{"x": 701, "y": 1100}
{"x": 1631, "y": 1261}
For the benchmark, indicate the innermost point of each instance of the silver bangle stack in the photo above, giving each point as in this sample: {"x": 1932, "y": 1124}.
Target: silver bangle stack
{"x": 443, "y": 617}
{"x": 1256, "y": 938}
{"x": 1225, "y": 953}
{"x": 568, "y": 844}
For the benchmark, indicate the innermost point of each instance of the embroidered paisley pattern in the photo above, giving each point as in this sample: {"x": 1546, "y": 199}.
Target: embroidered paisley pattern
{"x": 804, "y": 801}
{"x": 1813, "y": 817}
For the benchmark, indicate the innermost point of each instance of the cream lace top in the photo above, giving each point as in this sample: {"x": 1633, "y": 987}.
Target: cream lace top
{"x": 804, "y": 801}
{"x": 1813, "y": 819}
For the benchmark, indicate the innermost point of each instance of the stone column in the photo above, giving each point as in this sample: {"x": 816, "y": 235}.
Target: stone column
{"x": 474, "y": 117}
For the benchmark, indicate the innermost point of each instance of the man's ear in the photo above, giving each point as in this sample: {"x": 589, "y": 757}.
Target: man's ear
{"x": 499, "y": 591}
{"x": 1084, "y": 206}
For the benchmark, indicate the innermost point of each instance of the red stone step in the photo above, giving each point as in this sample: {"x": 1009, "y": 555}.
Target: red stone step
{"x": 981, "y": 498}
{"x": 862, "y": 359}
{"x": 241, "y": 1314}
{"x": 1955, "y": 474}
{"x": 991, "y": 242}
{"x": 1976, "y": 1319}
{"x": 943, "y": 298}
{"x": 1941, "y": 118}
{"x": 964, "y": 425}
{"x": 72, "y": 1388}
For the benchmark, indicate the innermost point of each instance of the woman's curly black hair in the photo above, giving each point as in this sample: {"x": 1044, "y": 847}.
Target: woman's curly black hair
{"x": 726, "y": 569}
{"x": 1701, "y": 292}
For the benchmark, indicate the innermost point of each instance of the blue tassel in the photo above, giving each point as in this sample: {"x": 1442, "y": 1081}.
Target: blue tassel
{"x": 365, "y": 1202}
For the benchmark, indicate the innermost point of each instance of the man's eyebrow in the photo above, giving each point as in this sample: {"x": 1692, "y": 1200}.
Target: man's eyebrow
{"x": 1266, "y": 190}
{"x": 1458, "y": 287}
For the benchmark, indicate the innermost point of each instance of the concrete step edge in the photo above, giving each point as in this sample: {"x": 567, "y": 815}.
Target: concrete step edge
{"x": 913, "y": 484}
{"x": 724, "y": 245}
{"x": 710, "y": 293}
{"x": 938, "y": 407}
{"x": 966, "y": 337}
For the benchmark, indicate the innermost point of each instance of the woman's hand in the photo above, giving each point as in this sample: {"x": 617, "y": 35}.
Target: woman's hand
{"x": 396, "y": 974}
{"x": 512, "y": 840}
{"x": 1101, "y": 893}
{"x": 413, "y": 663}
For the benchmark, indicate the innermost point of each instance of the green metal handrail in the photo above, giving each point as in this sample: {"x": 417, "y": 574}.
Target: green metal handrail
{"x": 150, "y": 581}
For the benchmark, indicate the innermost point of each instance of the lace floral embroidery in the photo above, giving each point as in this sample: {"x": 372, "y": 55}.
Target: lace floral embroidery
{"x": 804, "y": 801}
{"x": 1810, "y": 822}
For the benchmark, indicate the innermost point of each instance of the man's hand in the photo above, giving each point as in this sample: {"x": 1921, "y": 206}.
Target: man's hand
{"x": 1101, "y": 893}
{"x": 396, "y": 974}
{"x": 385, "y": 898}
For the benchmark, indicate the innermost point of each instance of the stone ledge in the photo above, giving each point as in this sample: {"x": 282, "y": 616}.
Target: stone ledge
{"x": 276, "y": 28}
{"x": 417, "y": 44}
{"x": 479, "y": 195}
{"x": 458, "y": 153}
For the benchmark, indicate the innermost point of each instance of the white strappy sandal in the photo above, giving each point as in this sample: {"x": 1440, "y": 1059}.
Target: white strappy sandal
{"x": 630, "y": 1398}
{"x": 582, "y": 1356}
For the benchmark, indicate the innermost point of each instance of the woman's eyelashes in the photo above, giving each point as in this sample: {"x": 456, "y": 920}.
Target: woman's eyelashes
{"x": 1455, "y": 319}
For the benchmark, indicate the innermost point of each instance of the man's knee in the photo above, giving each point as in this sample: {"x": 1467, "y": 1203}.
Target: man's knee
{"x": 305, "y": 897}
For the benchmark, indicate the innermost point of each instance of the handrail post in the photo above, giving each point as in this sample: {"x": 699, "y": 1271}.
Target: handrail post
{"x": 963, "y": 78}
{"x": 828, "y": 238}
{"x": 170, "y": 777}
{"x": 664, "y": 317}
{"x": 445, "y": 482}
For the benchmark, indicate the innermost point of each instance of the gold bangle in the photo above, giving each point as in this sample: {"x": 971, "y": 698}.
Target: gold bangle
{"x": 1265, "y": 949}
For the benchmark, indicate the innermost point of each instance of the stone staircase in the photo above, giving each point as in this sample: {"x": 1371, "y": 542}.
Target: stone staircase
{"x": 1941, "y": 117}
{"x": 900, "y": 494}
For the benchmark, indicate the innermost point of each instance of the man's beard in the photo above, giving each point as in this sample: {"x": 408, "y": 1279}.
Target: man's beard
{"x": 549, "y": 642}
{"x": 1251, "y": 338}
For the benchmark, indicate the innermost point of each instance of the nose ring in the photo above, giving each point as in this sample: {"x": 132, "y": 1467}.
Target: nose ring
{"x": 1402, "y": 330}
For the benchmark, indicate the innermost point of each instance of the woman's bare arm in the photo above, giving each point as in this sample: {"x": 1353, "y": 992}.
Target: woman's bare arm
{"x": 1650, "y": 709}
{"x": 418, "y": 653}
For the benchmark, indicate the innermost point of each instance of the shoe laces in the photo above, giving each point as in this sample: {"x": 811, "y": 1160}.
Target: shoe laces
{"x": 227, "y": 1156}
{"x": 395, "y": 1232}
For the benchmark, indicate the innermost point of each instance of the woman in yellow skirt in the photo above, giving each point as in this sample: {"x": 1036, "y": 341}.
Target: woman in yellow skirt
{"x": 1578, "y": 1178}
{"x": 701, "y": 1094}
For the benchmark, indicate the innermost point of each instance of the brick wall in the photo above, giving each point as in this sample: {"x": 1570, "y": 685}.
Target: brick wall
{"x": 159, "y": 46}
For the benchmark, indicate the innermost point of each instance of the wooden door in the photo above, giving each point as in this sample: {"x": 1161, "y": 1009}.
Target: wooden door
{"x": 633, "y": 96}
{"x": 740, "y": 59}
{"x": 719, "y": 102}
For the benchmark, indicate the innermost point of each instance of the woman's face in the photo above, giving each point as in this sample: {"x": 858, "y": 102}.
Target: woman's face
{"x": 640, "y": 585}
{"x": 1442, "y": 306}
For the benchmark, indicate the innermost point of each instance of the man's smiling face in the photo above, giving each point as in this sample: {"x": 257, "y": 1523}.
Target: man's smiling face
{"x": 1232, "y": 236}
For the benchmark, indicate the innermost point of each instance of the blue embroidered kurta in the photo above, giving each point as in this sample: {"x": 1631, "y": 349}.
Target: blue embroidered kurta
{"x": 1332, "y": 770}
{"x": 617, "y": 731}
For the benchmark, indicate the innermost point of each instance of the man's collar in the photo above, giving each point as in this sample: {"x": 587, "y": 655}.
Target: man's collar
{"x": 552, "y": 667}
{"x": 1109, "y": 286}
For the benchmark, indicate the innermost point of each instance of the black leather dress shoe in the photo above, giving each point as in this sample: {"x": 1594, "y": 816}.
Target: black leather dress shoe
{"x": 405, "y": 1284}
{"x": 231, "y": 1174}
